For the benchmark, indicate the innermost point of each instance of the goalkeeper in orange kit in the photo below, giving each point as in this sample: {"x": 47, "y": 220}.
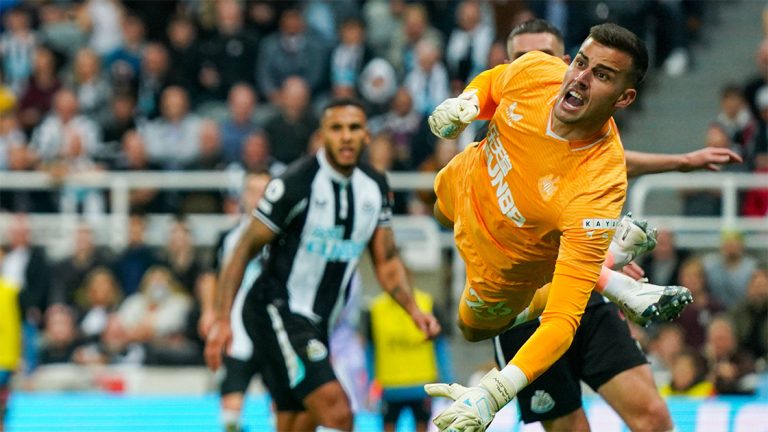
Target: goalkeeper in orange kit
{"x": 536, "y": 203}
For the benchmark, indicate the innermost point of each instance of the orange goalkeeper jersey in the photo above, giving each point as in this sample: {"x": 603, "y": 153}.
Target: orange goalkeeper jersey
{"x": 530, "y": 207}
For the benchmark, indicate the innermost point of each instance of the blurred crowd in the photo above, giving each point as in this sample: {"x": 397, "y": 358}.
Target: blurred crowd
{"x": 143, "y": 85}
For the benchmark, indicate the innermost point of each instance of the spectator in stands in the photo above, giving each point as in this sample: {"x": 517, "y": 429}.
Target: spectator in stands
{"x": 256, "y": 156}
{"x": 292, "y": 51}
{"x": 181, "y": 258}
{"x": 427, "y": 81}
{"x": 72, "y": 270}
{"x": 101, "y": 19}
{"x": 759, "y": 79}
{"x": 184, "y": 54}
{"x": 665, "y": 345}
{"x": 11, "y": 136}
{"x": 348, "y": 58}
{"x": 154, "y": 77}
{"x": 383, "y": 19}
{"x": 402, "y": 123}
{"x": 497, "y": 54}
{"x": 240, "y": 121}
{"x": 17, "y": 47}
{"x": 60, "y": 337}
{"x": 415, "y": 27}
{"x": 210, "y": 153}
{"x": 737, "y": 119}
{"x": 468, "y": 46}
{"x": 119, "y": 119}
{"x": 156, "y": 317}
{"x": 728, "y": 363}
{"x": 173, "y": 139}
{"x": 92, "y": 88}
{"x": 134, "y": 157}
{"x": 63, "y": 126}
{"x": 377, "y": 85}
{"x": 131, "y": 263}
{"x": 689, "y": 377}
{"x": 97, "y": 299}
{"x": 290, "y": 129}
{"x": 750, "y": 317}
{"x": 696, "y": 318}
{"x": 26, "y": 266}
{"x": 229, "y": 54}
{"x": 662, "y": 265}
{"x": 445, "y": 150}
{"x": 709, "y": 202}
{"x": 382, "y": 155}
{"x": 729, "y": 271}
{"x": 756, "y": 200}
{"x": 40, "y": 88}
{"x": 113, "y": 347}
{"x": 59, "y": 29}
{"x": 124, "y": 63}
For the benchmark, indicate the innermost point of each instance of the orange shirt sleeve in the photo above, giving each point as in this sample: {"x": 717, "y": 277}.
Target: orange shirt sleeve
{"x": 587, "y": 228}
{"x": 488, "y": 90}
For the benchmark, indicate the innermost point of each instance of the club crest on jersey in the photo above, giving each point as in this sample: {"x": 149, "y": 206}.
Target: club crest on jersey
{"x": 275, "y": 190}
{"x": 316, "y": 350}
{"x": 548, "y": 186}
{"x": 542, "y": 402}
{"x": 511, "y": 115}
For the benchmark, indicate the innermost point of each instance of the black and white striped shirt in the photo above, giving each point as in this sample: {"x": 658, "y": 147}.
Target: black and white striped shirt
{"x": 323, "y": 221}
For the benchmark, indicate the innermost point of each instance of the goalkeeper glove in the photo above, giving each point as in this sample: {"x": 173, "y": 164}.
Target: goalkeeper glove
{"x": 631, "y": 240}
{"x": 451, "y": 117}
{"x": 473, "y": 407}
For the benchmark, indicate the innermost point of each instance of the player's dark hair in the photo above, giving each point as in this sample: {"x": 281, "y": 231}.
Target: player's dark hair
{"x": 341, "y": 102}
{"x": 617, "y": 37}
{"x": 536, "y": 25}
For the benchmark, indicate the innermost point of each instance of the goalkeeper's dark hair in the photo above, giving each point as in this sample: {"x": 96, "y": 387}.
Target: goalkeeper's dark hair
{"x": 536, "y": 25}
{"x": 619, "y": 38}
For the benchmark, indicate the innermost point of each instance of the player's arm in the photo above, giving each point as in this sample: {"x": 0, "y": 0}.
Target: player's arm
{"x": 710, "y": 158}
{"x": 587, "y": 231}
{"x": 391, "y": 274}
{"x": 248, "y": 246}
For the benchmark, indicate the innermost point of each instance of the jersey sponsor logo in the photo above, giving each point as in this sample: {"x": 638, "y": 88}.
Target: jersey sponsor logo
{"x": 593, "y": 224}
{"x": 329, "y": 243}
{"x": 316, "y": 350}
{"x": 511, "y": 115}
{"x": 275, "y": 190}
{"x": 499, "y": 166}
{"x": 542, "y": 402}
{"x": 548, "y": 186}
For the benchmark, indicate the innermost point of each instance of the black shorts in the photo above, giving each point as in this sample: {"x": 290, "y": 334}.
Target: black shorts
{"x": 294, "y": 350}
{"x": 421, "y": 409}
{"x": 601, "y": 349}
{"x": 238, "y": 374}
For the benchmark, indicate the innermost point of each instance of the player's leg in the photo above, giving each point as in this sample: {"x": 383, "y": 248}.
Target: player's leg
{"x": 237, "y": 376}
{"x": 422, "y": 412}
{"x": 390, "y": 413}
{"x": 554, "y": 399}
{"x": 330, "y": 407}
{"x": 642, "y": 409}
{"x": 485, "y": 309}
{"x": 611, "y": 363}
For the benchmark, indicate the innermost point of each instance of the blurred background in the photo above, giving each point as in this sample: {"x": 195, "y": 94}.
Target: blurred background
{"x": 126, "y": 127}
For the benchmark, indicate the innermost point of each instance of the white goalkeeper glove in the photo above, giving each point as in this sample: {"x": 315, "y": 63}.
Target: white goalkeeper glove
{"x": 473, "y": 407}
{"x": 451, "y": 117}
{"x": 631, "y": 240}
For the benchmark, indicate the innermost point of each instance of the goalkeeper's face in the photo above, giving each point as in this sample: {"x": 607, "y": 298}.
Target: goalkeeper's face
{"x": 345, "y": 135}
{"x": 596, "y": 84}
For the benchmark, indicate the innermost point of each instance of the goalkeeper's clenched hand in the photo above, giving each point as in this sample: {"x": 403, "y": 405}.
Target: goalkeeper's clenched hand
{"x": 473, "y": 407}
{"x": 451, "y": 117}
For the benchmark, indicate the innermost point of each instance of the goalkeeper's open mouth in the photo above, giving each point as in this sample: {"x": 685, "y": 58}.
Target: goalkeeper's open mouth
{"x": 572, "y": 100}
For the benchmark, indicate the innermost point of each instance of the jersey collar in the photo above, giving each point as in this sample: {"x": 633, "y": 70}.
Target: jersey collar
{"x": 326, "y": 166}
